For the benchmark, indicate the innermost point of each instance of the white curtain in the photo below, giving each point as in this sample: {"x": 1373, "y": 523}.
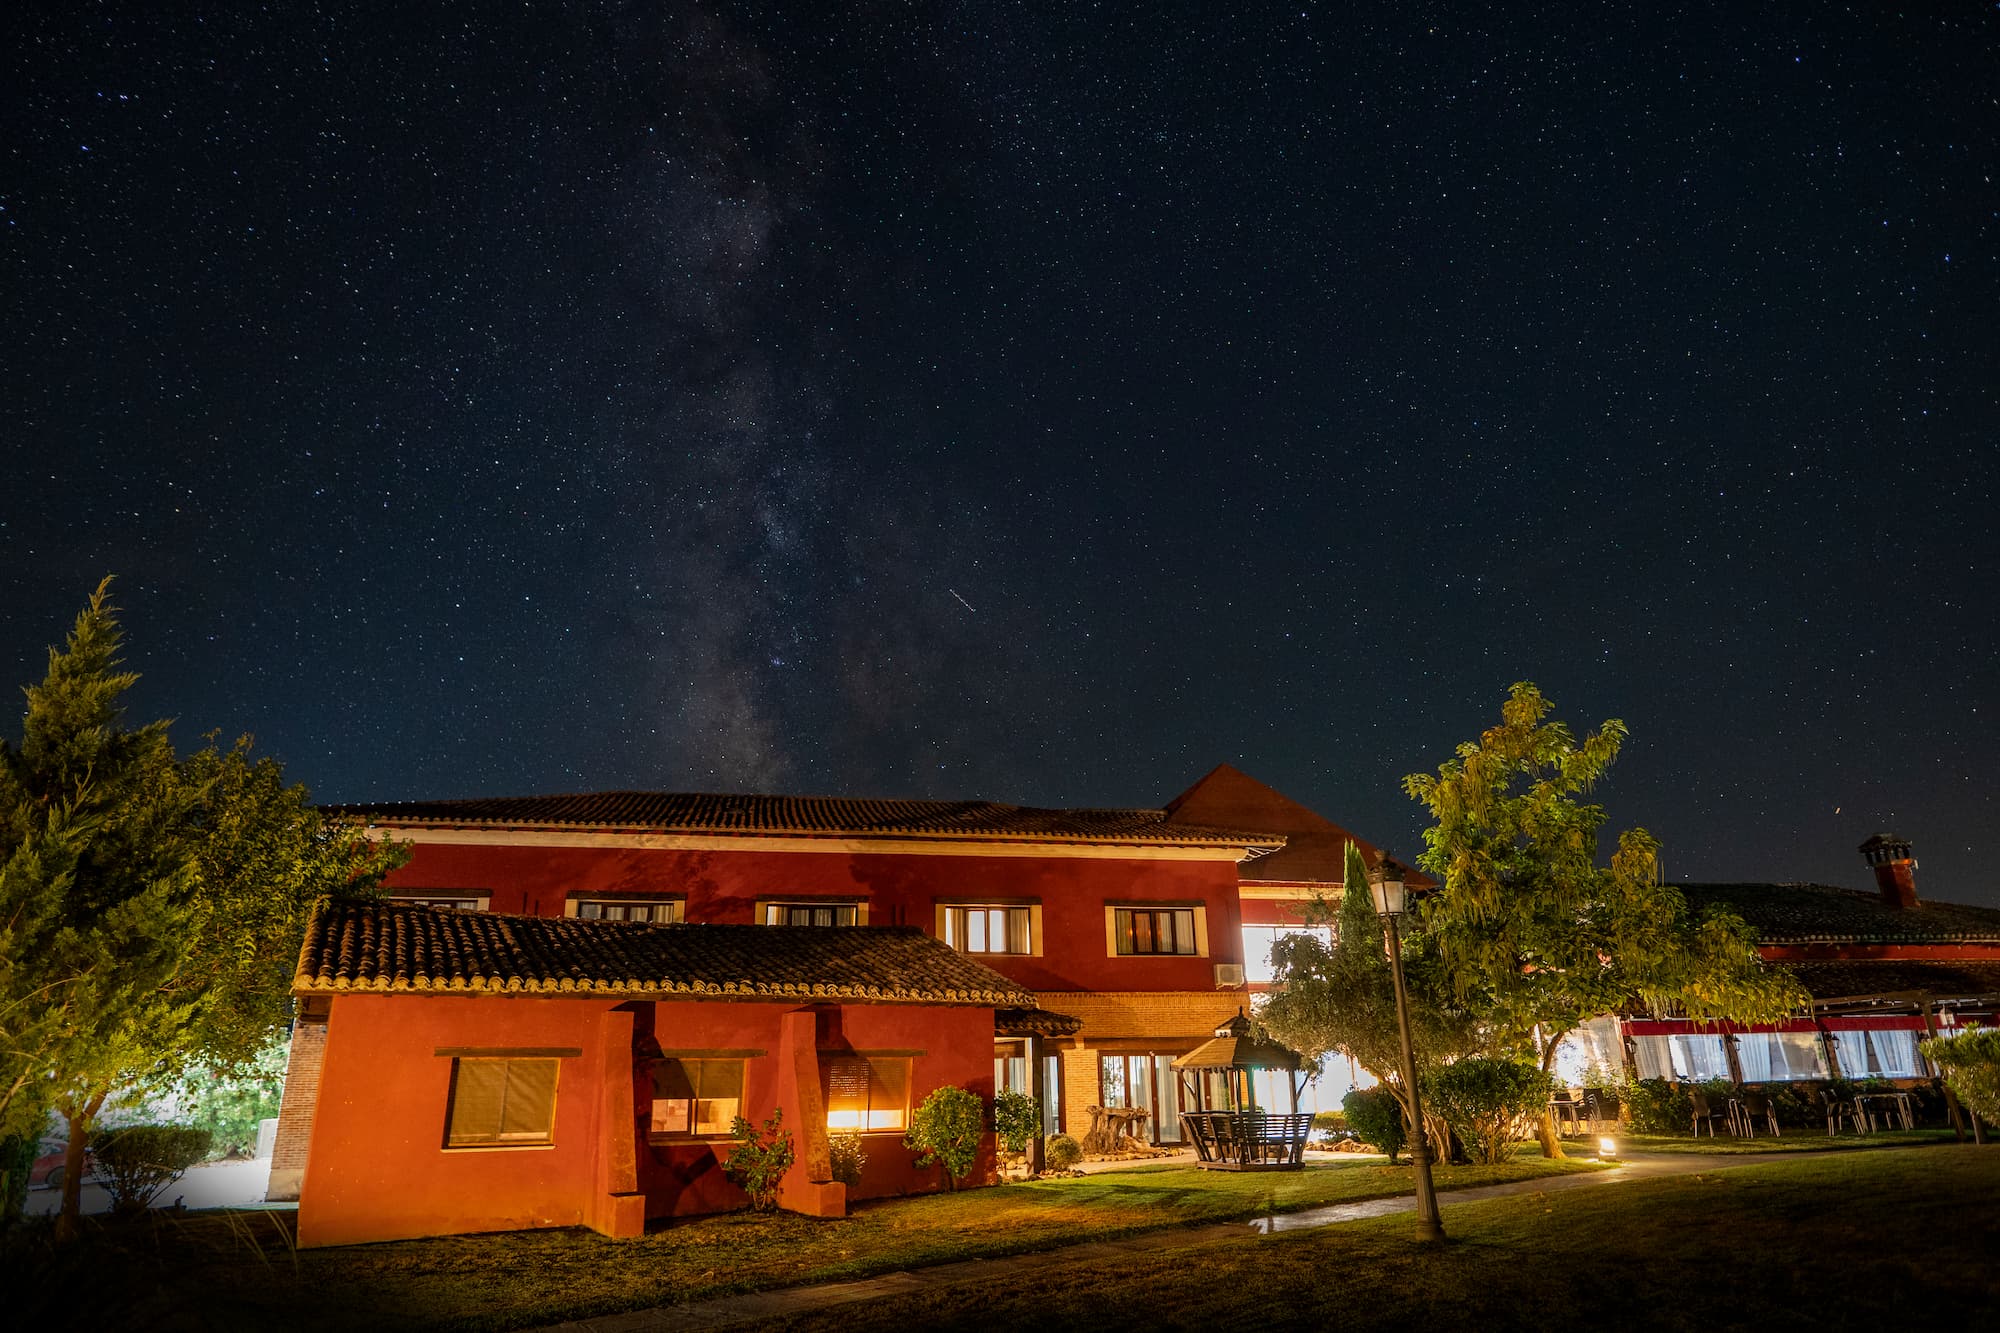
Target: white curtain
{"x": 1874, "y": 1054}
{"x": 1697, "y": 1058}
{"x": 1653, "y": 1057}
{"x": 1773, "y": 1057}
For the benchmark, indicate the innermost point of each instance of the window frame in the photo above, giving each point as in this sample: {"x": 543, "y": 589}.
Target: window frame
{"x": 574, "y": 906}
{"x": 499, "y": 1139}
{"x": 465, "y": 900}
{"x": 905, "y": 1065}
{"x": 694, "y": 1133}
{"x": 1115, "y": 934}
{"x": 858, "y": 907}
{"x": 951, "y": 914}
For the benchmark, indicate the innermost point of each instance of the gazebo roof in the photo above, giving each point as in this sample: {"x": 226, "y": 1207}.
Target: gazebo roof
{"x": 1232, "y": 1047}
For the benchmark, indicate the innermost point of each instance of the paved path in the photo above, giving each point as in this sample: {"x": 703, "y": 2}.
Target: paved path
{"x": 731, "y": 1311}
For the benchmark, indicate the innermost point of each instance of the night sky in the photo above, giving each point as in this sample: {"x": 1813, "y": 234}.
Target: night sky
{"x": 1035, "y": 403}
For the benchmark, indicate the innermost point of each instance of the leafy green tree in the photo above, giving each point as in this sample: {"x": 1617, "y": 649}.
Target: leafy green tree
{"x": 229, "y": 1102}
{"x": 1971, "y": 1064}
{"x": 151, "y": 908}
{"x": 948, "y": 1128}
{"x": 1528, "y": 921}
{"x": 1489, "y": 1101}
{"x": 1342, "y": 997}
{"x": 1017, "y": 1119}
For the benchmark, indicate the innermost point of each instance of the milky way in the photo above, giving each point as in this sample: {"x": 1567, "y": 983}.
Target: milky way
{"x": 479, "y": 399}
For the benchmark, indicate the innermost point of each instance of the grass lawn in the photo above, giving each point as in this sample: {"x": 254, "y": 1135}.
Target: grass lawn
{"x": 202, "y": 1271}
{"x": 1804, "y": 1140}
{"x": 1846, "y": 1240}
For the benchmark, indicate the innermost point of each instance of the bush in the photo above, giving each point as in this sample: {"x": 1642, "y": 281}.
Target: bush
{"x": 1061, "y": 1152}
{"x": 17, "y": 1155}
{"x": 138, "y": 1162}
{"x": 947, "y": 1129}
{"x": 1332, "y": 1122}
{"x": 1376, "y": 1118}
{"x": 1971, "y": 1065}
{"x": 758, "y": 1162}
{"x": 1658, "y": 1106}
{"x": 1490, "y": 1103}
{"x": 1017, "y": 1118}
{"x": 848, "y": 1158}
{"x": 230, "y": 1104}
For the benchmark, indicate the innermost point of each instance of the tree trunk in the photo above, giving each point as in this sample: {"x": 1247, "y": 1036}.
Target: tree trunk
{"x": 1552, "y": 1143}
{"x": 79, "y": 1119}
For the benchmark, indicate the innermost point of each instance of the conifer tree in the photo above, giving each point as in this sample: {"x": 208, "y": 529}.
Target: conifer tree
{"x": 151, "y": 908}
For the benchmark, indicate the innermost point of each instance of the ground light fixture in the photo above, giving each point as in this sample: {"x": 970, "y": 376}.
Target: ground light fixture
{"x": 1385, "y": 884}
{"x": 1607, "y": 1149}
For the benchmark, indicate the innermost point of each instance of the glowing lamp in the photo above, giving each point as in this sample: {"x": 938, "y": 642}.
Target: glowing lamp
{"x": 1607, "y": 1148}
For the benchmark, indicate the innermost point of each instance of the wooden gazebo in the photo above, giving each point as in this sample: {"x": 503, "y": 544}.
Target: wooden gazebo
{"x": 1230, "y": 1132}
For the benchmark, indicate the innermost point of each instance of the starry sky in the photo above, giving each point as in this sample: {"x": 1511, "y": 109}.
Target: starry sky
{"x": 1041, "y": 403}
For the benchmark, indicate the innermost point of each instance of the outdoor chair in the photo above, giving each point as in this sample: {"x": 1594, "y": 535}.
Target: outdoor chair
{"x": 1759, "y": 1106}
{"x": 1705, "y": 1115}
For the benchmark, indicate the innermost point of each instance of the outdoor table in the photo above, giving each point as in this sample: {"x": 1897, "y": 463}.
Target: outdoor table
{"x": 1895, "y": 1104}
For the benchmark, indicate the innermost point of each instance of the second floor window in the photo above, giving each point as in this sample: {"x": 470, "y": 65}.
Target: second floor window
{"x": 809, "y": 914}
{"x": 629, "y": 909}
{"x": 1154, "y": 930}
{"x": 469, "y": 900}
{"x": 987, "y": 929}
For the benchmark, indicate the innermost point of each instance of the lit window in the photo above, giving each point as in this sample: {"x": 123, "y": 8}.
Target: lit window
{"x": 655, "y": 910}
{"x": 463, "y": 899}
{"x": 809, "y": 914}
{"x": 499, "y": 1103}
{"x": 696, "y": 1097}
{"x": 867, "y": 1093}
{"x": 1153, "y": 930}
{"x": 1257, "y": 942}
{"x": 987, "y": 929}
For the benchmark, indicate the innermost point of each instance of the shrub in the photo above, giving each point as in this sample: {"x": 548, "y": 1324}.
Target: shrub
{"x": 138, "y": 1162}
{"x": 1376, "y": 1118}
{"x": 758, "y": 1162}
{"x": 1061, "y": 1152}
{"x": 229, "y": 1104}
{"x": 17, "y": 1156}
{"x": 1332, "y": 1122}
{"x": 848, "y": 1158}
{"x": 947, "y": 1129}
{"x": 1017, "y": 1118}
{"x": 1658, "y": 1106}
{"x": 1490, "y": 1102}
{"x": 1971, "y": 1065}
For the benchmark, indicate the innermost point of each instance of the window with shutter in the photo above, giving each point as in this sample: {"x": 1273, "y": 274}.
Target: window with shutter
{"x": 696, "y": 1098}
{"x": 867, "y": 1092}
{"x": 501, "y": 1103}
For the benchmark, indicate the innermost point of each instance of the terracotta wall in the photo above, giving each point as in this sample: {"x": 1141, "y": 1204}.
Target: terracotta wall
{"x": 378, "y": 1168}
{"x": 901, "y": 889}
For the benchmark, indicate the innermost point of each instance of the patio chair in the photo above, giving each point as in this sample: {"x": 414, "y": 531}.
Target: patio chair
{"x": 1705, "y": 1115}
{"x": 1759, "y": 1106}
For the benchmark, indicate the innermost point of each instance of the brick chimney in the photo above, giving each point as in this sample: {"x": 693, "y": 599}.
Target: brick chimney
{"x": 1895, "y": 869}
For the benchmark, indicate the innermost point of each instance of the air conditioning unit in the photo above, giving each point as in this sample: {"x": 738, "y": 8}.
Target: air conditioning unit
{"x": 1228, "y": 974}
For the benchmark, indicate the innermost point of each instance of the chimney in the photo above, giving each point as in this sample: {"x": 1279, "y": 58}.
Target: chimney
{"x": 1895, "y": 869}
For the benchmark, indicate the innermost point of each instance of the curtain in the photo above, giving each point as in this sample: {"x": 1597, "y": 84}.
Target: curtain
{"x": 1698, "y": 1058}
{"x": 1652, "y": 1056}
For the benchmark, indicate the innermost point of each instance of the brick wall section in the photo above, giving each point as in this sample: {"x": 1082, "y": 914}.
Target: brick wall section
{"x": 1171, "y": 1016}
{"x": 1081, "y": 1088}
{"x": 295, "y": 1112}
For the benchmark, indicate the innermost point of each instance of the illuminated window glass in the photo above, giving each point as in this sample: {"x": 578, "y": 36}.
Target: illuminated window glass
{"x": 696, "y": 1097}
{"x": 867, "y": 1093}
{"x": 656, "y": 910}
{"x": 809, "y": 914}
{"x": 987, "y": 929}
{"x": 1155, "y": 930}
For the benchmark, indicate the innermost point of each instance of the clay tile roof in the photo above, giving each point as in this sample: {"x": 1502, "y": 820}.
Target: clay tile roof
{"x": 826, "y": 816}
{"x": 402, "y": 949}
{"x": 1943, "y": 979}
{"x": 1034, "y": 1023}
{"x": 1820, "y": 914}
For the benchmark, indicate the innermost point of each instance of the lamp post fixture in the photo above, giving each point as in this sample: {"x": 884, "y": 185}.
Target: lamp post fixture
{"x": 1385, "y": 885}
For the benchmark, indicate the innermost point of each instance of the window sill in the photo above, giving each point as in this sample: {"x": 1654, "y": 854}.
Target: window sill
{"x": 500, "y": 1147}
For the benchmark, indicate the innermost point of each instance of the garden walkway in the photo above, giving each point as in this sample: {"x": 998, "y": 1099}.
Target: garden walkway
{"x": 760, "y": 1306}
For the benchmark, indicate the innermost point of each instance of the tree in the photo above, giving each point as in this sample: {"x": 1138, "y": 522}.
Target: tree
{"x": 151, "y": 909}
{"x": 948, "y": 1128}
{"x": 1525, "y": 917}
{"x": 1342, "y": 996}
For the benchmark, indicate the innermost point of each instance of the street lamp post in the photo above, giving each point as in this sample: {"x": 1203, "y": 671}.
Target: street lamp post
{"x": 1386, "y": 886}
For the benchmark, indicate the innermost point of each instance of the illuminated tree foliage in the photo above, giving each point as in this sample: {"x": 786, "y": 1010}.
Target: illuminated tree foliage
{"x": 1531, "y": 930}
{"x": 151, "y": 908}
